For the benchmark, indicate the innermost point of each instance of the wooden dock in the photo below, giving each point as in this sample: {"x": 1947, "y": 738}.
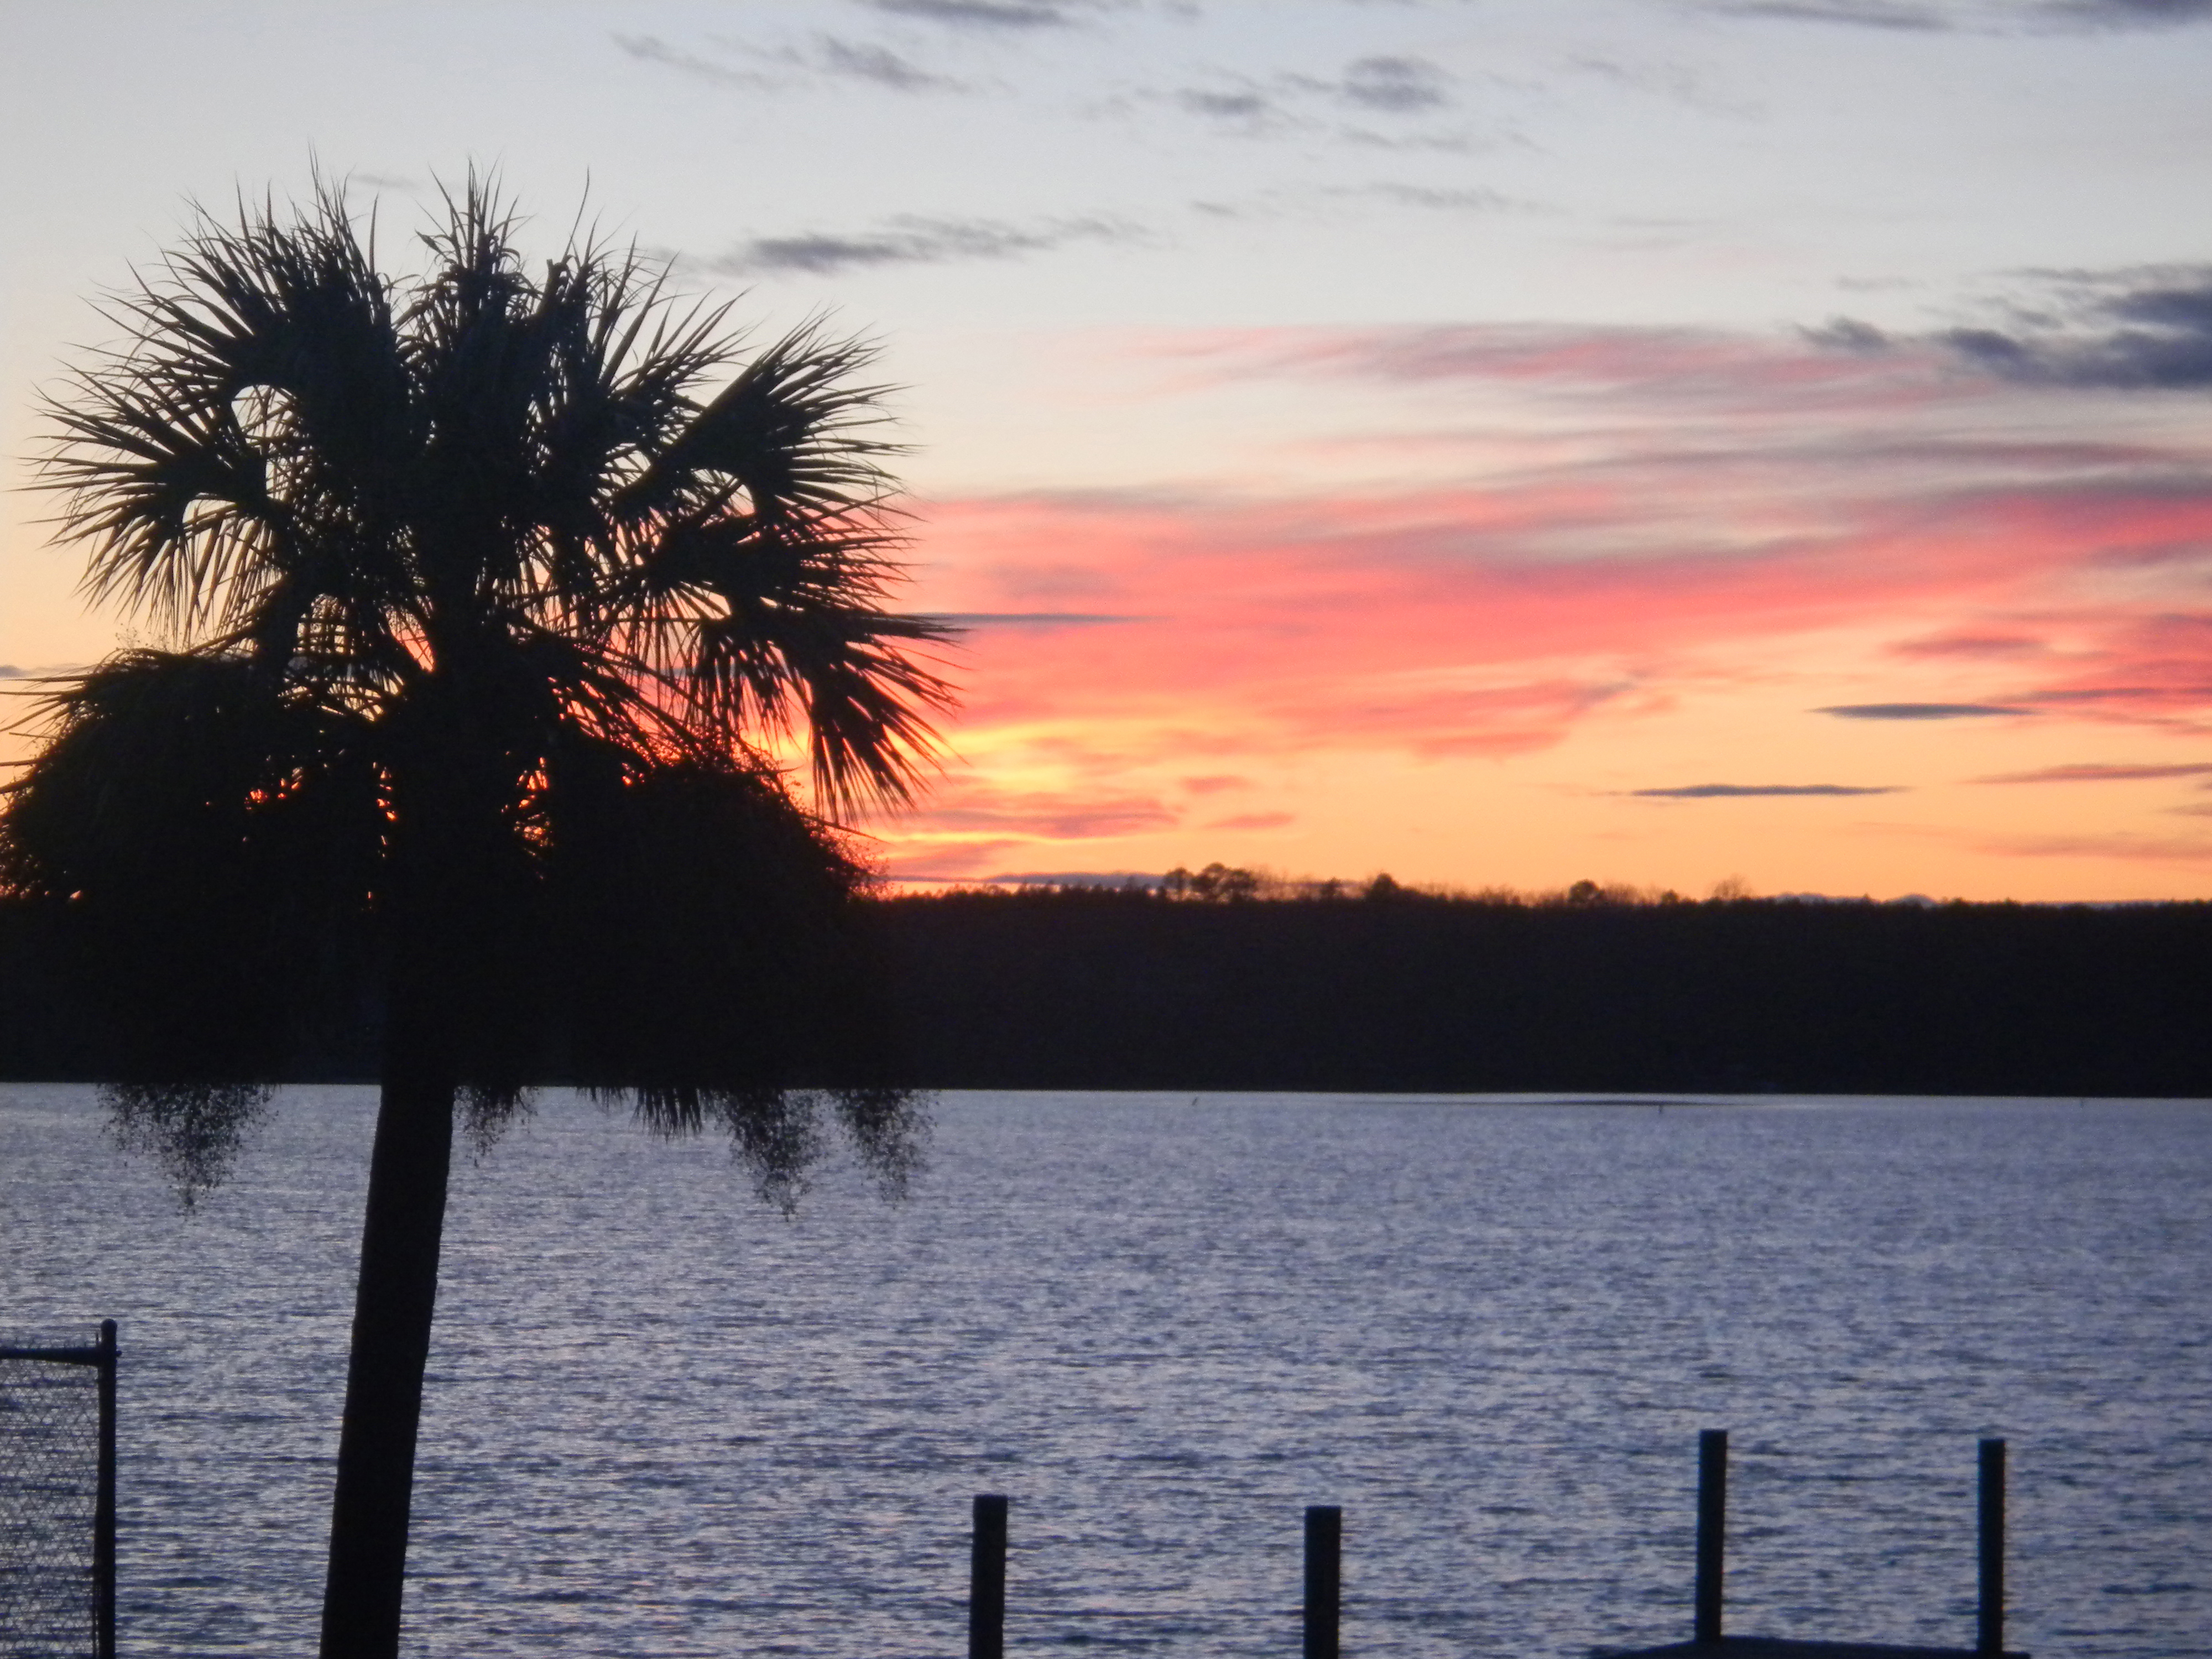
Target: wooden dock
{"x": 1706, "y": 1640}
{"x": 1776, "y": 1647}
{"x": 1323, "y": 1607}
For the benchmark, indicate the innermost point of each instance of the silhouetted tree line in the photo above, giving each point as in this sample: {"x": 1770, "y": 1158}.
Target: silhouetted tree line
{"x": 1385, "y": 988}
{"x": 1381, "y": 988}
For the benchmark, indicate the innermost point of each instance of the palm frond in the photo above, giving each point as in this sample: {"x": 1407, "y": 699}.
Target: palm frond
{"x": 254, "y": 417}
{"x": 834, "y": 675}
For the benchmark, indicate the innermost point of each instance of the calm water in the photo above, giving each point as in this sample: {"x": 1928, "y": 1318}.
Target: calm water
{"x": 664, "y": 1420}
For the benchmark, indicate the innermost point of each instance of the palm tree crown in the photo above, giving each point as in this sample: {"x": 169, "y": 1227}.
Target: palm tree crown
{"x": 362, "y": 487}
{"x": 447, "y": 570}
{"x": 488, "y": 603}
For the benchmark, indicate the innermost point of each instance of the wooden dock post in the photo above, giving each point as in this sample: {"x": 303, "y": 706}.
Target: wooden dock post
{"x": 103, "y": 1509}
{"x": 1324, "y": 1579}
{"x": 987, "y": 1580}
{"x": 1990, "y": 1623}
{"x": 1712, "y": 1532}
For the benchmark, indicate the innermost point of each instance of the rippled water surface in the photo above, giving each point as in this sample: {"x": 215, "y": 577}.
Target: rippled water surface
{"x": 665, "y": 1420}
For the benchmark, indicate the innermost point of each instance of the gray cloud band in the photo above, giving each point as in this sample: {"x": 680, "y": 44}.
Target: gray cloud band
{"x": 1920, "y": 711}
{"x": 1977, "y": 17}
{"x": 908, "y": 241}
{"x": 983, "y": 13}
{"x": 967, "y": 619}
{"x": 2128, "y": 331}
{"x": 1738, "y": 790}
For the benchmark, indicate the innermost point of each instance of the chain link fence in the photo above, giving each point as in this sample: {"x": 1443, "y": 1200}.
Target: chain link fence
{"x": 57, "y": 1497}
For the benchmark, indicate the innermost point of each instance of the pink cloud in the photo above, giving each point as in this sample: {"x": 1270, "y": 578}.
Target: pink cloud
{"x": 968, "y": 806}
{"x": 923, "y": 861}
{"x": 2092, "y": 772}
{"x": 1679, "y": 365}
{"x": 1971, "y": 645}
{"x": 1499, "y": 720}
{"x": 2129, "y": 847}
{"x": 1254, "y": 821}
{"x": 1311, "y": 612}
{"x": 2137, "y": 666}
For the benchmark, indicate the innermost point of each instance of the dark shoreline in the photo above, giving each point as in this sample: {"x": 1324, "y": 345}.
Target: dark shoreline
{"x": 1128, "y": 991}
{"x": 1115, "y": 990}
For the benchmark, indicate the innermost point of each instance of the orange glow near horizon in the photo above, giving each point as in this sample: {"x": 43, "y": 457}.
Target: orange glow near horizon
{"x": 1596, "y": 642}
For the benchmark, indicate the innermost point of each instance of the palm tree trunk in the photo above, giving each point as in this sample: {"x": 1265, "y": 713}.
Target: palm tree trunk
{"x": 392, "y": 1307}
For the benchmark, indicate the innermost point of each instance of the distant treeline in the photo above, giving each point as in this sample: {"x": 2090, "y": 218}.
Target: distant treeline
{"x": 1375, "y": 987}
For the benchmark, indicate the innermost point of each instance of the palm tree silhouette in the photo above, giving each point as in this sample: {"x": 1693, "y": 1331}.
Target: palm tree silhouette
{"x": 488, "y": 601}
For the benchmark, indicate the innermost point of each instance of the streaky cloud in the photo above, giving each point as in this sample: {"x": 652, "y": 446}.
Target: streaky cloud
{"x": 975, "y": 807}
{"x": 1739, "y": 791}
{"x": 2190, "y": 690}
{"x": 2092, "y": 772}
{"x": 1970, "y": 645}
{"x": 1671, "y": 82}
{"x": 1031, "y": 619}
{"x": 1975, "y": 16}
{"x": 1860, "y": 14}
{"x": 1279, "y": 203}
{"x": 1395, "y": 84}
{"x": 1254, "y": 821}
{"x": 829, "y": 56}
{"x": 1470, "y": 199}
{"x": 1679, "y": 365}
{"x": 2129, "y": 330}
{"x": 1244, "y": 105}
{"x": 1920, "y": 711}
{"x": 1384, "y": 85}
{"x": 981, "y": 13}
{"x": 908, "y": 240}
{"x": 866, "y": 60}
{"x": 1847, "y": 334}
{"x": 2145, "y": 848}
{"x": 652, "y": 49}
{"x": 1116, "y": 878}
{"x": 2129, "y": 359}
{"x": 2141, "y": 328}
{"x": 2130, "y": 14}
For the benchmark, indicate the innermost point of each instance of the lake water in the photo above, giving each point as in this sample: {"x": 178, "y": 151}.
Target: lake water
{"x": 665, "y": 1420}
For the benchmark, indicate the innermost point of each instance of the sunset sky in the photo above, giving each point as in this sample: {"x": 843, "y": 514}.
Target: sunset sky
{"x": 1495, "y": 442}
